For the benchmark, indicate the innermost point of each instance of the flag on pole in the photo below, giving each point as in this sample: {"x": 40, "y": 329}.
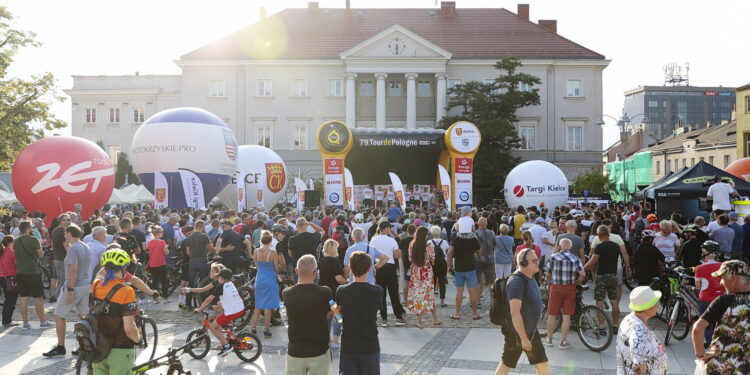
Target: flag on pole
{"x": 241, "y": 192}
{"x": 445, "y": 185}
{"x": 161, "y": 191}
{"x": 398, "y": 189}
{"x": 193, "y": 188}
{"x": 300, "y": 188}
{"x": 349, "y": 185}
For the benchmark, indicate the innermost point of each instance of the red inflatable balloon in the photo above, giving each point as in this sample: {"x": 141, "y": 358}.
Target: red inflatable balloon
{"x": 740, "y": 168}
{"x": 54, "y": 174}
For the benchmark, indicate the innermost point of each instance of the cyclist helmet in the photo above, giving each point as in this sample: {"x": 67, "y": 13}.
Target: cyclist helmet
{"x": 117, "y": 257}
{"x": 710, "y": 246}
{"x": 651, "y": 218}
{"x": 647, "y": 233}
{"x": 691, "y": 228}
{"x": 278, "y": 228}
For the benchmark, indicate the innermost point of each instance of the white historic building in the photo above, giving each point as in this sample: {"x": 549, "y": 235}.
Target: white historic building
{"x": 276, "y": 81}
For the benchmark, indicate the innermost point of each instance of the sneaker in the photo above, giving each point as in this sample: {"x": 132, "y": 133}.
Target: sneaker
{"x": 45, "y": 325}
{"x": 10, "y": 325}
{"x": 384, "y": 324}
{"x": 75, "y": 352}
{"x": 400, "y": 322}
{"x": 225, "y": 350}
{"x": 26, "y": 326}
{"x": 547, "y": 342}
{"x": 563, "y": 345}
{"x": 182, "y": 306}
{"x": 56, "y": 351}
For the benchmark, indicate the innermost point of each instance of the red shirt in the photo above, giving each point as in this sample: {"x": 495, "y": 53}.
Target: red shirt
{"x": 8, "y": 263}
{"x": 714, "y": 288}
{"x": 327, "y": 222}
{"x": 537, "y": 249}
{"x": 156, "y": 256}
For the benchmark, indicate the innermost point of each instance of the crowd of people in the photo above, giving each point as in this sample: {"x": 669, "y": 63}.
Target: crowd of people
{"x": 346, "y": 265}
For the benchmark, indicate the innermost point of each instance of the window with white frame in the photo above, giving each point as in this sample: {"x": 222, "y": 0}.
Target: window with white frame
{"x": 575, "y": 138}
{"x": 452, "y": 83}
{"x": 336, "y": 87}
{"x": 424, "y": 89}
{"x": 89, "y": 115}
{"x": 527, "y": 134}
{"x": 574, "y": 88}
{"x": 113, "y": 152}
{"x": 217, "y": 88}
{"x": 394, "y": 88}
{"x": 264, "y": 87}
{"x": 264, "y": 136}
{"x": 525, "y": 87}
{"x": 299, "y": 138}
{"x": 139, "y": 114}
{"x": 365, "y": 88}
{"x": 299, "y": 87}
{"x": 114, "y": 115}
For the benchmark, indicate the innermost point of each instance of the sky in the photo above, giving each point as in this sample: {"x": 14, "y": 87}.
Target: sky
{"x": 105, "y": 37}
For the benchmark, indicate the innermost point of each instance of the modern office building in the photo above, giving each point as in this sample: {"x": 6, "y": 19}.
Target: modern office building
{"x": 276, "y": 81}
{"x": 660, "y": 110}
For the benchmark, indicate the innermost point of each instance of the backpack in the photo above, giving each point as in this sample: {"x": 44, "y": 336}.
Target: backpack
{"x": 90, "y": 338}
{"x": 637, "y": 230}
{"x": 341, "y": 235}
{"x": 439, "y": 255}
{"x": 499, "y": 306}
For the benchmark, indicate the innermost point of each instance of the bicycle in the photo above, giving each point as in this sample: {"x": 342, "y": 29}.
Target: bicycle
{"x": 174, "y": 273}
{"x": 48, "y": 268}
{"x": 246, "y": 345}
{"x": 147, "y": 328}
{"x": 593, "y": 325}
{"x": 683, "y": 308}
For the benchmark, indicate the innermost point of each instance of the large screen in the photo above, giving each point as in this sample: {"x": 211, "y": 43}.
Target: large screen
{"x": 412, "y": 154}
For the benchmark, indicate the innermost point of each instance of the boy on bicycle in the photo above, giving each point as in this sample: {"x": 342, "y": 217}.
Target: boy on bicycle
{"x": 231, "y": 304}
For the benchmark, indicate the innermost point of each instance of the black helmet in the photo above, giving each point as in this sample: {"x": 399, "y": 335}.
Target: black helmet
{"x": 278, "y": 228}
{"x": 710, "y": 246}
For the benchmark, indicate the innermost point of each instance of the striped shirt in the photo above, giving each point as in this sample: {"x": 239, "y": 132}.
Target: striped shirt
{"x": 564, "y": 268}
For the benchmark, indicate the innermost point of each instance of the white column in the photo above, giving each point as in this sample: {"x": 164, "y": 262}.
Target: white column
{"x": 351, "y": 100}
{"x": 440, "y": 97}
{"x": 380, "y": 101}
{"x": 411, "y": 100}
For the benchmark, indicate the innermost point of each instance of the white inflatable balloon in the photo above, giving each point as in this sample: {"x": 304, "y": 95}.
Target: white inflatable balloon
{"x": 264, "y": 174}
{"x": 534, "y": 183}
{"x": 189, "y": 139}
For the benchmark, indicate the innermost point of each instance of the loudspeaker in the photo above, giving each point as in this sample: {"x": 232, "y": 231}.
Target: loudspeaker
{"x": 312, "y": 198}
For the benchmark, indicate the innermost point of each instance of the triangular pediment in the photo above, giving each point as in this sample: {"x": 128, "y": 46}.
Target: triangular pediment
{"x": 396, "y": 42}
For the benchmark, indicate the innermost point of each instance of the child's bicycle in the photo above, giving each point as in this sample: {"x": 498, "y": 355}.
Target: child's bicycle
{"x": 170, "y": 359}
{"x": 246, "y": 345}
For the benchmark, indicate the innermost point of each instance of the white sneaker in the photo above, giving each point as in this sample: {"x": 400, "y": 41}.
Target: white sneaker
{"x": 384, "y": 324}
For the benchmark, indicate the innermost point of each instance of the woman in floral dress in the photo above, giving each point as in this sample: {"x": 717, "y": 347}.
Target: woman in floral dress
{"x": 421, "y": 299}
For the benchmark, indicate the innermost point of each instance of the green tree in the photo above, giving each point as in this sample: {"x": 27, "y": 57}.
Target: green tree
{"x": 492, "y": 108}
{"x": 123, "y": 169}
{"x": 594, "y": 181}
{"x": 24, "y": 103}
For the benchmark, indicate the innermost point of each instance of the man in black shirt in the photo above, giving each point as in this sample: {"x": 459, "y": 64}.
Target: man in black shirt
{"x": 690, "y": 252}
{"x": 230, "y": 246}
{"x": 359, "y": 303}
{"x": 605, "y": 258}
{"x": 304, "y": 242}
{"x": 307, "y": 307}
{"x": 462, "y": 250}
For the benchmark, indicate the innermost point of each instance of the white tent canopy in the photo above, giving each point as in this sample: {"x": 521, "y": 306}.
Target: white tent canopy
{"x": 131, "y": 194}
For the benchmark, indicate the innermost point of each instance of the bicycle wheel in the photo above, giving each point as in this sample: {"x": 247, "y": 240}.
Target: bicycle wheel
{"x": 46, "y": 278}
{"x": 173, "y": 280}
{"x": 201, "y": 347}
{"x": 248, "y": 299}
{"x": 595, "y": 328}
{"x": 631, "y": 282}
{"x": 248, "y": 347}
{"x": 198, "y": 282}
{"x": 681, "y": 328}
{"x": 146, "y": 348}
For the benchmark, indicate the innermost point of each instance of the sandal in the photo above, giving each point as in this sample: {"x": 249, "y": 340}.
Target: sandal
{"x": 454, "y": 317}
{"x": 420, "y": 325}
{"x": 443, "y": 304}
{"x": 267, "y": 334}
{"x": 438, "y": 323}
{"x": 476, "y": 317}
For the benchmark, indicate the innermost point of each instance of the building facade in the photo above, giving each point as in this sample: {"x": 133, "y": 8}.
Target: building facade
{"x": 276, "y": 81}
{"x": 667, "y": 108}
{"x": 743, "y": 121}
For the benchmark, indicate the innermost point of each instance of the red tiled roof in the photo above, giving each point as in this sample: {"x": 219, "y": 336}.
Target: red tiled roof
{"x": 325, "y": 33}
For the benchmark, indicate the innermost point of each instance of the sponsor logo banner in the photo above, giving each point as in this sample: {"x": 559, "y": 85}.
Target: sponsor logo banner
{"x": 334, "y": 166}
{"x": 464, "y": 165}
{"x": 275, "y": 176}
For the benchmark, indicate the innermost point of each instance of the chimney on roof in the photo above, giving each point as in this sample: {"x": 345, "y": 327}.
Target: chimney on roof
{"x": 262, "y": 13}
{"x": 447, "y": 9}
{"x": 550, "y": 25}
{"x": 313, "y": 5}
{"x": 523, "y": 11}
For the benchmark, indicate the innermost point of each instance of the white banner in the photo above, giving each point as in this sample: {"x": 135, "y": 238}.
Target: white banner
{"x": 334, "y": 181}
{"x": 445, "y": 185}
{"x": 398, "y": 189}
{"x": 161, "y": 191}
{"x": 463, "y": 168}
{"x": 300, "y": 188}
{"x": 312, "y": 185}
{"x": 241, "y": 192}
{"x": 349, "y": 186}
{"x": 193, "y": 188}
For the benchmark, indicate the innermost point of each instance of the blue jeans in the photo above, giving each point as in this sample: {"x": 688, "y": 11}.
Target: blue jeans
{"x": 702, "y": 306}
{"x": 359, "y": 364}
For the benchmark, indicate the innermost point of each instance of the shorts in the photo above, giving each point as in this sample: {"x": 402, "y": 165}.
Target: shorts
{"x": 512, "y": 350}
{"x": 30, "y": 286}
{"x": 606, "y": 286}
{"x": 483, "y": 267}
{"x": 224, "y": 320}
{"x": 464, "y": 278}
{"x": 80, "y": 302}
{"x": 119, "y": 361}
{"x": 562, "y": 297}
{"x": 185, "y": 276}
{"x": 320, "y": 365}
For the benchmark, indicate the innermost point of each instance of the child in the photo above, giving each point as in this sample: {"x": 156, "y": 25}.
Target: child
{"x": 213, "y": 286}
{"x": 157, "y": 263}
{"x": 231, "y": 304}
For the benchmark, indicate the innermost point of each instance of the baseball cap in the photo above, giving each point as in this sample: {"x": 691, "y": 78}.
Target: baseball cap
{"x": 733, "y": 215}
{"x": 225, "y": 274}
{"x": 733, "y": 267}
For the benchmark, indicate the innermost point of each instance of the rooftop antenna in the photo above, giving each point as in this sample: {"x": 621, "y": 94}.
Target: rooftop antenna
{"x": 676, "y": 75}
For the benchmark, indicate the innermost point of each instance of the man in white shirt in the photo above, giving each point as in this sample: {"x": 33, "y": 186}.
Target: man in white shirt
{"x": 720, "y": 193}
{"x": 386, "y": 276}
{"x": 465, "y": 222}
{"x": 538, "y": 231}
